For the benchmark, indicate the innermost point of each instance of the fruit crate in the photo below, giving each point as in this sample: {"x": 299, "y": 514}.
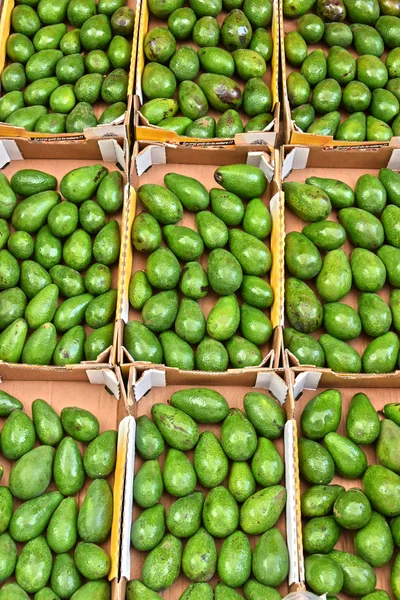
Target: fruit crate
{"x": 156, "y": 386}
{"x": 150, "y": 164}
{"x": 120, "y": 128}
{"x": 298, "y": 164}
{"x": 151, "y": 133}
{"x": 293, "y": 134}
{"x": 58, "y": 159}
{"x": 102, "y": 394}
{"x": 381, "y": 390}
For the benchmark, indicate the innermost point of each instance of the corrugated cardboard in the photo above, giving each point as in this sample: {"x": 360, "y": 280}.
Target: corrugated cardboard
{"x": 58, "y": 159}
{"x": 150, "y": 164}
{"x": 120, "y": 129}
{"x": 151, "y": 133}
{"x": 157, "y": 386}
{"x": 381, "y": 390}
{"x": 297, "y": 164}
{"x": 292, "y": 133}
{"x": 74, "y": 389}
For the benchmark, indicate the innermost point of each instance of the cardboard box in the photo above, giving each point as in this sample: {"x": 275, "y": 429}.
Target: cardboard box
{"x": 293, "y": 134}
{"x": 150, "y": 133}
{"x": 381, "y": 390}
{"x": 157, "y": 386}
{"x": 106, "y": 401}
{"x": 120, "y": 129}
{"x": 297, "y": 164}
{"x": 58, "y": 159}
{"x": 150, "y": 164}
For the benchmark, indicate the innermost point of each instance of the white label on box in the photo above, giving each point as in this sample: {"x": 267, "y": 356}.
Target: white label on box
{"x": 291, "y": 505}
{"x": 127, "y": 430}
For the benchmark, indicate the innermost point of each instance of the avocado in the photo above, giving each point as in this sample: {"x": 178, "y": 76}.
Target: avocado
{"x": 220, "y": 513}
{"x": 210, "y": 462}
{"x": 162, "y": 565}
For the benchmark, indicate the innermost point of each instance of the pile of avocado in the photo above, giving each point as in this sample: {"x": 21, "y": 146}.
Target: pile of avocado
{"x": 47, "y": 524}
{"x": 181, "y": 324}
{"x": 248, "y": 504}
{"x": 246, "y": 48}
{"x": 369, "y": 218}
{"x": 64, "y": 57}
{"x": 56, "y": 250}
{"x": 364, "y": 82}
{"x": 372, "y": 513}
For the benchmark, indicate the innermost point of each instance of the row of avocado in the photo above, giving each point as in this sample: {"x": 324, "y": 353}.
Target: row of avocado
{"x": 351, "y": 534}
{"x": 186, "y": 271}
{"x": 61, "y": 551}
{"x": 208, "y": 483}
{"x": 63, "y": 58}
{"x": 225, "y": 43}
{"x": 321, "y": 274}
{"x": 344, "y": 56}
{"x": 57, "y": 252}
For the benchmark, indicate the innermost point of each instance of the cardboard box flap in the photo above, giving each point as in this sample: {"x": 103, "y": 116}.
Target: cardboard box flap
{"x": 308, "y": 380}
{"x": 106, "y": 377}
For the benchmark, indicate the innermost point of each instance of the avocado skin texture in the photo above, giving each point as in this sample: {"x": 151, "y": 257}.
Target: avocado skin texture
{"x": 178, "y": 474}
{"x": 245, "y": 181}
{"x": 34, "y": 565}
{"x": 386, "y": 445}
{"x": 303, "y": 308}
{"x": 95, "y": 516}
{"x": 326, "y": 235}
{"x": 341, "y": 321}
{"x": 326, "y": 125}
{"x": 18, "y": 435}
{"x": 363, "y": 228}
{"x": 362, "y": 422}
{"x": 309, "y": 203}
{"x": 381, "y": 355}
{"x": 184, "y": 515}
{"x": 322, "y": 414}
{"x": 340, "y": 357}
{"x": 315, "y": 462}
{"x": 369, "y": 272}
{"x": 32, "y": 517}
{"x": 302, "y": 258}
{"x": 221, "y": 92}
{"x": 358, "y": 577}
{"x": 271, "y": 559}
{"x": 298, "y": 8}
{"x": 8, "y": 556}
{"x": 350, "y": 460}
{"x": 234, "y": 561}
{"x": 298, "y": 89}
{"x": 79, "y": 423}
{"x": 341, "y": 65}
{"x": 149, "y": 528}
{"x": 374, "y": 542}
{"x": 38, "y": 463}
{"x": 322, "y": 573}
{"x": 168, "y": 419}
{"x": 352, "y": 509}
{"x": 307, "y": 350}
{"x": 220, "y": 512}
{"x": 62, "y": 531}
{"x": 318, "y": 500}
{"x": 335, "y": 278}
{"x": 375, "y": 314}
{"x": 380, "y": 487}
{"x": 303, "y": 116}
{"x": 162, "y": 565}
{"x": 320, "y": 535}
{"x": 68, "y": 470}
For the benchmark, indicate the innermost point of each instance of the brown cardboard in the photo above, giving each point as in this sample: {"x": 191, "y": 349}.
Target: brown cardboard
{"x": 297, "y": 164}
{"x": 120, "y": 129}
{"x": 75, "y": 390}
{"x": 151, "y": 133}
{"x": 58, "y": 159}
{"x": 381, "y": 390}
{"x": 156, "y": 386}
{"x": 201, "y": 164}
{"x": 292, "y": 133}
